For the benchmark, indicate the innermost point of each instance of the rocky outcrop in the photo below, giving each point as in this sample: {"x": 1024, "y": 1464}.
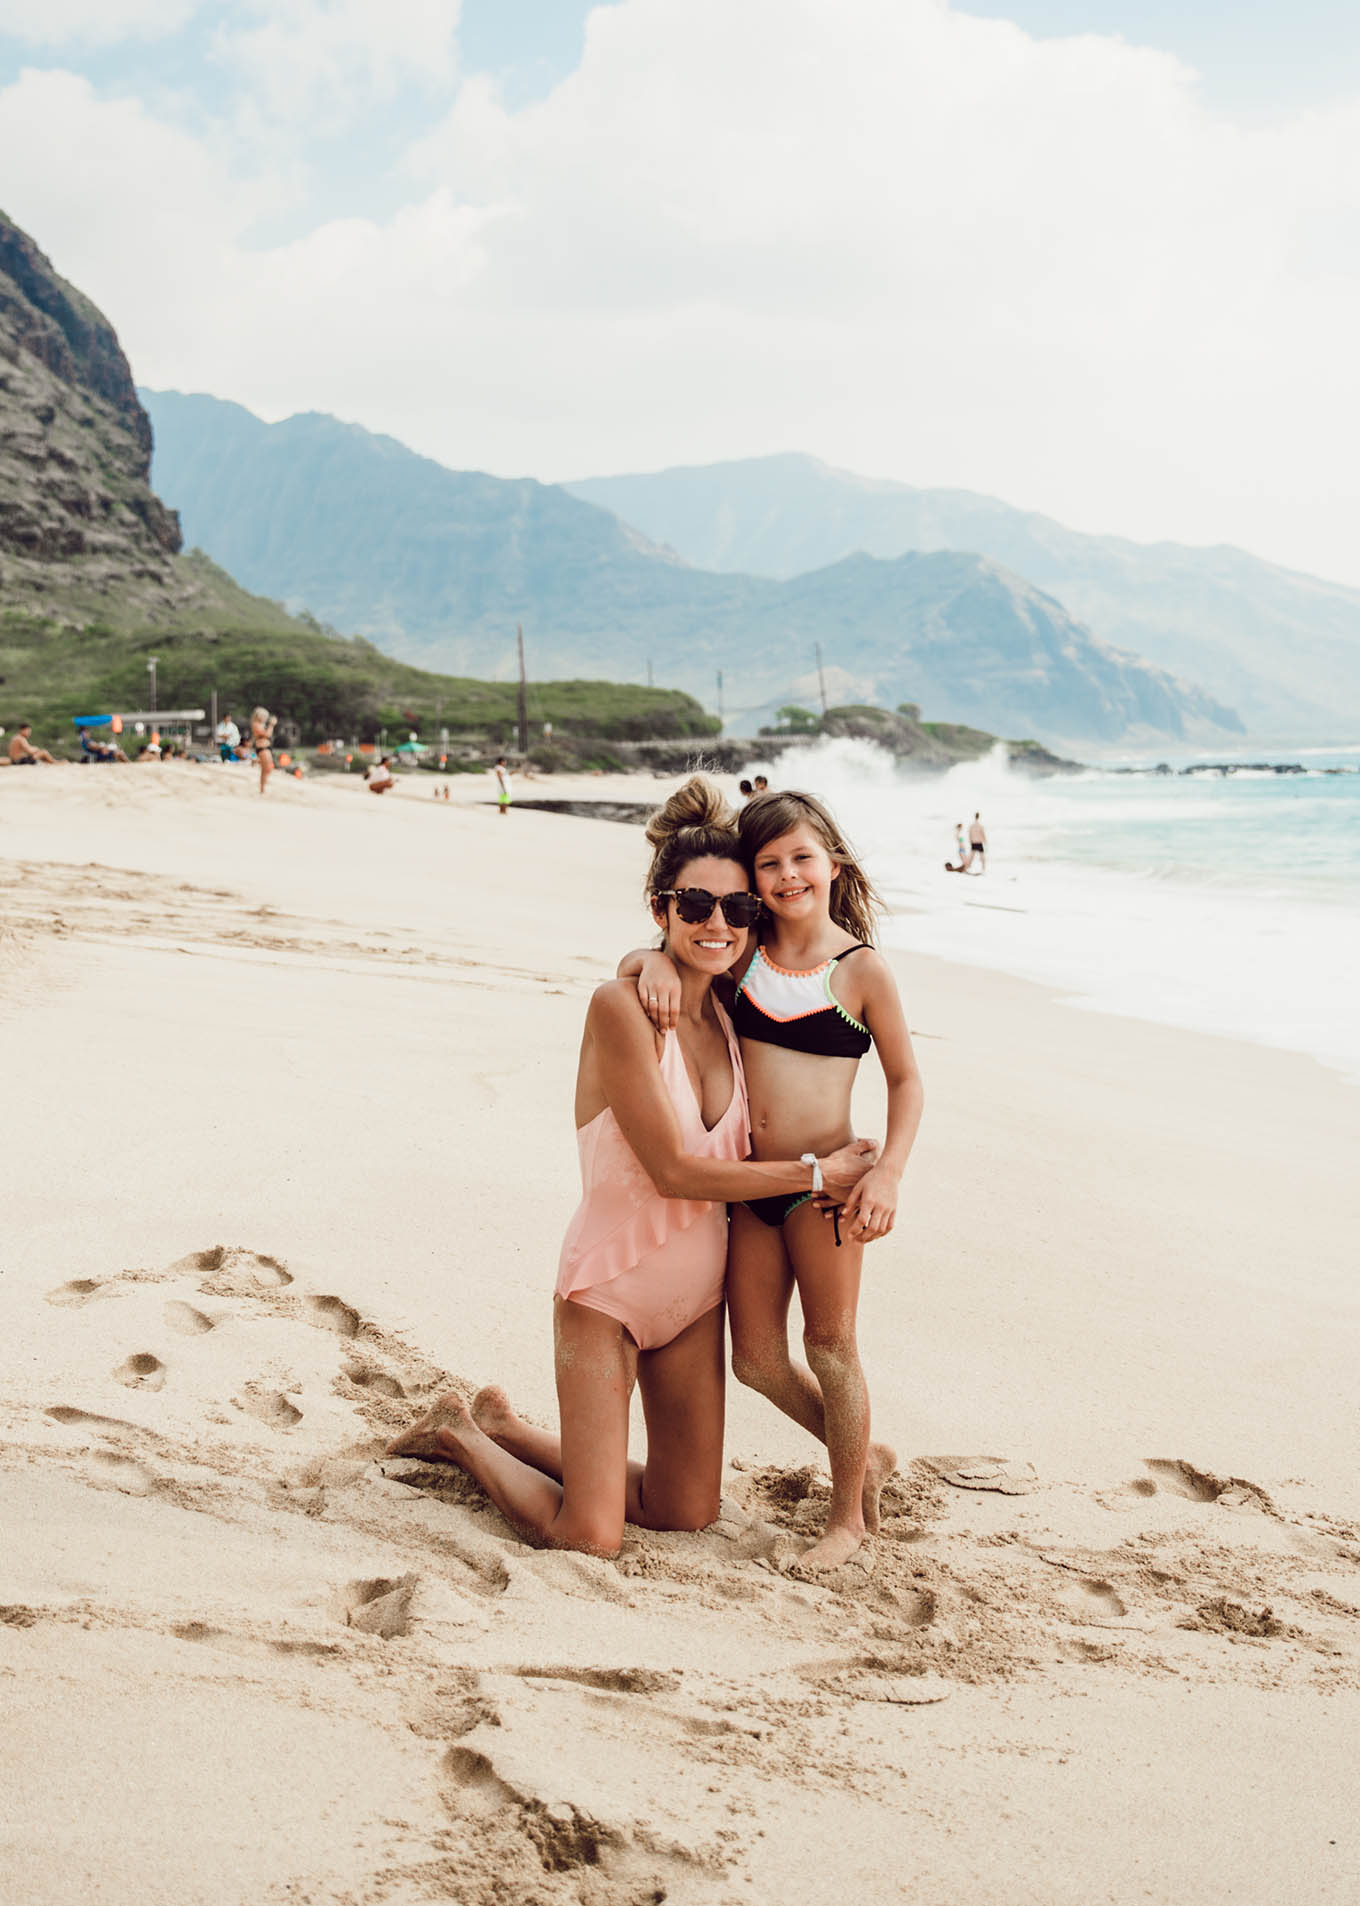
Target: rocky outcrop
{"x": 82, "y": 535}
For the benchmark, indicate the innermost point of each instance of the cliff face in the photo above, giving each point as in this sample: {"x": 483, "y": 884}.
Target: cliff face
{"x": 81, "y": 533}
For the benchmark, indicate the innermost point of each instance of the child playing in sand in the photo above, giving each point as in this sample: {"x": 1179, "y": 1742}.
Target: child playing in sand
{"x": 811, "y": 998}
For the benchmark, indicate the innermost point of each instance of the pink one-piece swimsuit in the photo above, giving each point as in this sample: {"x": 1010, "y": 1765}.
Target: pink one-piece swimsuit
{"x": 653, "y": 1263}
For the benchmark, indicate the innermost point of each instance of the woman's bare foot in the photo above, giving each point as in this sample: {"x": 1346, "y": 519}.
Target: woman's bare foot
{"x": 881, "y": 1464}
{"x": 439, "y": 1434}
{"x": 494, "y": 1413}
{"x": 836, "y": 1546}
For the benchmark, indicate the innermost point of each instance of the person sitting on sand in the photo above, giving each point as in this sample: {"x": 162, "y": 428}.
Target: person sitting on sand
{"x": 662, "y": 1129}
{"x": 262, "y": 726}
{"x": 23, "y": 754}
{"x": 228, "y": 738}
{"x": 381, "y": 778}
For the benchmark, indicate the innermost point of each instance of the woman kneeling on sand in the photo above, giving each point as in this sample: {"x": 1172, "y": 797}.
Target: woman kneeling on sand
{"x": 662, "y": 1127}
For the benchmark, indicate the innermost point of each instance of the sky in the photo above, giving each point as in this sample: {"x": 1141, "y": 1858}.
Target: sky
{"x": 1098, "y": 257}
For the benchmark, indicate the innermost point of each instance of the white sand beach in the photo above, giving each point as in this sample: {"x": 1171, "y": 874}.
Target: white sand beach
{"x": 289, "y": 1149}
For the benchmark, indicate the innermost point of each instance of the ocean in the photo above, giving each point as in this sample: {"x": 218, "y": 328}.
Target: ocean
{"x": 1225, "y": 903}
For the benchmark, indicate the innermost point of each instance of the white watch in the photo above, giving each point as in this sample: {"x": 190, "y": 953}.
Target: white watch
{"x": 810, "y": 1158}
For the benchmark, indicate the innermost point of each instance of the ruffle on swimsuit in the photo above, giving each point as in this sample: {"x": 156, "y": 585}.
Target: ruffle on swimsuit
{"x": 623, "y": 1222}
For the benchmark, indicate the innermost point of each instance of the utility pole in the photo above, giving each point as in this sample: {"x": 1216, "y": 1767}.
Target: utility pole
{"x": 523, "y": 696}
{"x": 151, "y": 671}
{"x": 214, "y": 711}
{"x": 821, "y": 678}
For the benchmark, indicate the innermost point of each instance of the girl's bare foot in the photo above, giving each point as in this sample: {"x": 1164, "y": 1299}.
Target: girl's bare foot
{"x": 881, "y": 1464}
{"x": 836, "y": 1546}
{"x": 494, "y": 1414}
{"x": 439, "y": 1434}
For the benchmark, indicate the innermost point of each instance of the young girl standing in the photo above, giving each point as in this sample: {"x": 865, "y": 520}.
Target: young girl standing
{"x": 810, "y": 1001}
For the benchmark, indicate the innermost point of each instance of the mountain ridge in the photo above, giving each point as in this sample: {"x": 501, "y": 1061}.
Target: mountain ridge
{"x": 1252, "y": 632}
{"x": 439, "y": 565}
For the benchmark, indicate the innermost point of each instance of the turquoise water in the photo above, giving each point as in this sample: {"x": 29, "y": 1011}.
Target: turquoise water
{"x": 1229, "y": 904}
{"x": 1289, "y": 834}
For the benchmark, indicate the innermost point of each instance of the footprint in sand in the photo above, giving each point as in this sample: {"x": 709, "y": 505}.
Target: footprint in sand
{"x": 269, "y": 1406}
{"x": 141, "y": 1371}
{"x": 378, "y": 1381}
{"x": 1200, "y": 1485}
{"x": 379, "y": 1605}
{"x": 1091, "y": 1600}
{"x": 332, "y": 1313}
{"x": 188, "y": 1321}
{"x": 79, "y": 1291}
{"x": 68, "y": 1414}
{"x": 108, "y": 1470}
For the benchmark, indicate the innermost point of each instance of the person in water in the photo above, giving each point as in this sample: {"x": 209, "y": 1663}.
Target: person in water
{"x": 811, "y": 997}
{"x": 662, "y": 1127}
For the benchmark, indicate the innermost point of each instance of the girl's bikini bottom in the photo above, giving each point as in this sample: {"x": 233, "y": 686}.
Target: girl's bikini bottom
{"x": 776, "y": 1212}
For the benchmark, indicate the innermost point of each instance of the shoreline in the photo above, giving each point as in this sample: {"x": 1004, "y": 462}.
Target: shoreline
{"x": 342, "y": 1039}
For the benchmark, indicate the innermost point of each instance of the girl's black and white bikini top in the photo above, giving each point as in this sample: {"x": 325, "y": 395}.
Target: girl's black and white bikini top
{"x": 798, "y": 1010}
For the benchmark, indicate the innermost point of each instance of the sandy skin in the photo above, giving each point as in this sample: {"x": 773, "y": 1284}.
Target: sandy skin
{"x": 450, "y": 1431}
{"x": 438, "y": 1436}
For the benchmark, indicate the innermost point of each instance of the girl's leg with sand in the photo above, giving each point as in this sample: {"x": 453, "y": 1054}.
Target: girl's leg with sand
{"x": 596, "y": 1369}
{"x": 830, "y": 1399}
{"x": 680, "y": 1485}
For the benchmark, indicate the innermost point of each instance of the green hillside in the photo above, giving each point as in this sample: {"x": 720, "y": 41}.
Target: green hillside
{"x": 248, "y": 650}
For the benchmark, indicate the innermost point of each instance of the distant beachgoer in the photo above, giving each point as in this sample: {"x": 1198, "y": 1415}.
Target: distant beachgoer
{"x": 977, "y": 844}
{"x": 762, "y": 786}
{"x": 22, "y": 752}
{"x": 98, "y": 750}
{"x": 502, "y": 774}
{"x": 745, "y": 790}
{"x": 381, "y": 778}
{"x": 962, "y": 852}
{"x": 262, "y": 726}
{"x": 639, "y": 1295}
{"x": 228, "y": 738}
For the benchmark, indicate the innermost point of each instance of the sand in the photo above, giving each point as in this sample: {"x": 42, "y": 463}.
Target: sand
{"x": 288, "y": 1150}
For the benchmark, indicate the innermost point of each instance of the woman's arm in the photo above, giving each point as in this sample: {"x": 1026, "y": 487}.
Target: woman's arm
{"x": 658, "y": 983}
{"x": 871, "y": 1209}
{"x": 623, "y": 1055}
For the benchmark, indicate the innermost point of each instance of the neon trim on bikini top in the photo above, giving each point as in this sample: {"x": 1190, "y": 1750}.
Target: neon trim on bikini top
{"x": 798, "y": 1011}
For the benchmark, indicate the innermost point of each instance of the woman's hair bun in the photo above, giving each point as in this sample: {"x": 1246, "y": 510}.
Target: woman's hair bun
{"x": 694, "y": 823}
{"x": 698, "y": 803}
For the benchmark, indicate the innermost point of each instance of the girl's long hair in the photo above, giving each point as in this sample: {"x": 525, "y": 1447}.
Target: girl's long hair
{"x": 854, "y": 899}
{"x": 694, "y": 822}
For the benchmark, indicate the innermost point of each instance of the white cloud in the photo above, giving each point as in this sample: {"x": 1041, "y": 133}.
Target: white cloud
{"x": 327, "y": 59}
{"x": 92, "y": 22}
{"x": 916, "y": 243}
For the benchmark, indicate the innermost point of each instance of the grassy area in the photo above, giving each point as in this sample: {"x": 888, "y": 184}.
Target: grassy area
{"x": 327, "y": 685}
